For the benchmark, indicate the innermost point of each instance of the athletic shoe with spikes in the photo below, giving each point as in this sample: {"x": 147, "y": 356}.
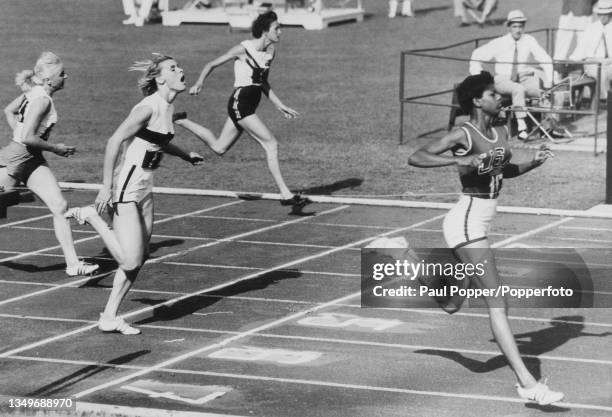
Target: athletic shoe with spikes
{"x": 539, "y": 393}
{"x": 80, "y": 214}
{"x": 297, "y": 201}
{"x": 81, "y": 268}
{"x": 116, "y": 325}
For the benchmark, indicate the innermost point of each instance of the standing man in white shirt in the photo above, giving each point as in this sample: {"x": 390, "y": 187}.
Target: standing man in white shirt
{"x": 596, "y": 45}
{"x": 575, "y": 17}
{"x": 512, "y": 76}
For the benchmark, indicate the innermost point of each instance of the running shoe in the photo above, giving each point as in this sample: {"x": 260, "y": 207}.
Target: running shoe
{"x": 522, "y": 135}
{"x": 539, "y": 393}
{"x": 297, "y": 201}
{"x": 80, "y": 214}
{"x": 116, "y": 325}
{"x": 81, "y": 268}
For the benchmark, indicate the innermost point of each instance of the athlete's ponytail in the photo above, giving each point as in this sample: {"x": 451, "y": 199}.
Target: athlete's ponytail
{"x": 24, "y": 80}
{"x": 151, "y": 69}
{"x": 47, "y": 65}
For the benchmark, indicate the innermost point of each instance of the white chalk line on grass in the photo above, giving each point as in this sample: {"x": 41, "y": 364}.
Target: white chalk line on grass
{"x": 150, "y": 308}
{"x": 312, "y": 382}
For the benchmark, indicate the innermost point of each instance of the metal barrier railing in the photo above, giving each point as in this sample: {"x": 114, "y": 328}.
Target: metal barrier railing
{"x": 430, "y": 53}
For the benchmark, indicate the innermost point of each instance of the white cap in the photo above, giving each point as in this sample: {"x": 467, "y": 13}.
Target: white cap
{"x": 604, "y": 7}
{"x": 516, "y": 16}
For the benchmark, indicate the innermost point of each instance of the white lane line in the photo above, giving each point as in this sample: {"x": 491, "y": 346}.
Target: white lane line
{"x": 171, "y": 301}
{"x": 32, "y": 219}
{"x": 403, "y": 346}
{"x": 208, "y": 239}
{"x": 83, "y": 408}
{"x": 178, "y": 216}
{"x": 85, "y": 279}
{"x": 251, "y": 268}
{"x": 233, "y": 218}
{"x": 212, "y": 346}
{"x": 312, "y": 382}
{"x": 556, "y": 238}
{"x": 532, "y": 232}
{"x": 257, "y": 329}
{"x": 47, "y": 229}
{"x": 358, "y": 306}
{"x": 239, "y": 236}
{"x": 589, "y": 229}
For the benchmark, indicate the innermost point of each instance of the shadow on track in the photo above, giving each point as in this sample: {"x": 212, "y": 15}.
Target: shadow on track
{"x": 562, "y": 330}
{"x": 198, "y": 302}
{"x": 69, "y": 380}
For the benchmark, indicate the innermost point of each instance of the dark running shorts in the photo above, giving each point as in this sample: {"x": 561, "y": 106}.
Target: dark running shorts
{"x": 243, "y": 103}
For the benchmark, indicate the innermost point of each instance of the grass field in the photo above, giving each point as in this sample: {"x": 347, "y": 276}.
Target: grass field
{"x": 343, "y": 81}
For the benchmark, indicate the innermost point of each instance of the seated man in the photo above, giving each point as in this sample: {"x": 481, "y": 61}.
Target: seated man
{"x": 595, "y": 45}
{"x": 512, "y": 76}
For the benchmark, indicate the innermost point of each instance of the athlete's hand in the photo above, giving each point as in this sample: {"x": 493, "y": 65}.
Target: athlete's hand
{"x": 543, "y": 154}
{"x": 195, "y": 89}
{"x": 195, "y": 158}
{"x": 471, "y": 160}
{"x": 288, "y": 112}
{"x": 103, "y": 199}
{"x": 64, "y": 150}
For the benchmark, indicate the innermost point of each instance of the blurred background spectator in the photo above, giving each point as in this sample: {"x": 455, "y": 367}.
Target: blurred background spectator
{"x": 406, "y": 8}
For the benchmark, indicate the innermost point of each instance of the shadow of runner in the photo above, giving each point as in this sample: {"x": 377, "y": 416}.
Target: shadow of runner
{"x": 84, "y": 373}
{"x": 108, "y": 265}
{"x": 198, "y": 302}
{"x": 541, "y": 341}
{"x": 327, "y": 189}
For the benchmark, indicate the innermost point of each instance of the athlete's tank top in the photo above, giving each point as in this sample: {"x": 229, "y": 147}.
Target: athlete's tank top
{"x": 486, "y": 180}
{"x": 253, "y": 67}
{"x": 46, "y": 124}
{"x": 145, "y": 150}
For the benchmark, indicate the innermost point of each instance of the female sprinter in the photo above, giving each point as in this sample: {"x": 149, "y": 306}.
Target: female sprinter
{"x": 32, "y": 116}
{"x": 252, "y": 59}
{"x": 128, "y": 181}
{"x": 482, "y": 155}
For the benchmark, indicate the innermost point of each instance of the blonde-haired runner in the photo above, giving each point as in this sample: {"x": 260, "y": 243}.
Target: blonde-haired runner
{"x": 127, "y": 187}
{"x": 31, "y": 116}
